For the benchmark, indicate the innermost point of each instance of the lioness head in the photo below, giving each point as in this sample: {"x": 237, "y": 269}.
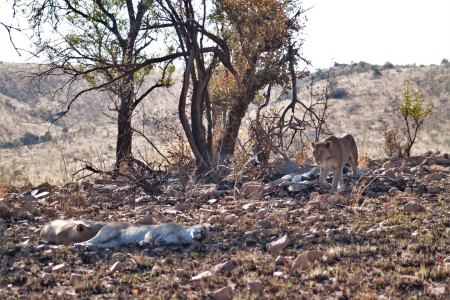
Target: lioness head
{"x": 322, "y": 151}
{"x": 69, "y": 232}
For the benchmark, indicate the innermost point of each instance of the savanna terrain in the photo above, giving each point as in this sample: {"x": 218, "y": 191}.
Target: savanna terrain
{"x": 386, "y": 237}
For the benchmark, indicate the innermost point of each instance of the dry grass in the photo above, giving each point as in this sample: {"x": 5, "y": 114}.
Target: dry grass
{"x": 371, "y": 251}
{"x": 91, "y": 135}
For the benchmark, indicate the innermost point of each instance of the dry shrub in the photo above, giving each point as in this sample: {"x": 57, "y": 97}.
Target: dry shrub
{"x": 364, "y": 159}
{"x": 173, "y": 143}
{"x": 392, "y": 147}
{"x": 3, "y": 191}
{"x": 218, "y": 133}
{"x": 301, "y": 157}
{"x": 364, "y": 148}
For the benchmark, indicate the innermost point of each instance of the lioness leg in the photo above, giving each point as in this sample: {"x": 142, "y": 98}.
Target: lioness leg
{"x": 337, "y": 180}
{"x": 354, "y": 157}
{"x": 354, "y": 164}
{"x": 323, "y": 178}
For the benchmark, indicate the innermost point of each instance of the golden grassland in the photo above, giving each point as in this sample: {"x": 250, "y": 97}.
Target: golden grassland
{"x": 87, "y": 134}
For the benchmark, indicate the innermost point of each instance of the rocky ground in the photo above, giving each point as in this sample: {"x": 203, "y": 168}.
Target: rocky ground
{"x": 387, "y": 237}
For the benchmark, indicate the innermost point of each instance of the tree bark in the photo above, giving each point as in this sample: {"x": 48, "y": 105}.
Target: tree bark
{"x": 235, "y": 116}
{"x": 124, "y": 126}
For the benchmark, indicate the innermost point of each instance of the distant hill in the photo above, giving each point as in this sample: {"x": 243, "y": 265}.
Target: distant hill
{"x": 363, "y": 100}
{"x": 367, "y": 95}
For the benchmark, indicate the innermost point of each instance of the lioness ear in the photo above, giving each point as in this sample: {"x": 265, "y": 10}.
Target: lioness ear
{"x": 80, "y": 227}
{"x": 328, "y": 144}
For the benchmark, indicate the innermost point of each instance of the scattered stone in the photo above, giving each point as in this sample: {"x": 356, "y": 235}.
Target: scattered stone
{"x": 226, "y": 267}
{"x": 181, "y": 207}
{"x": 8, "y": 232}
{"x": 285, "y": 167}
{"x": 47, "y": 278}
{"x": 303, "y": 260}
{"x": 393, "y": 191}
{"x": 278, "y": 246}
{"x": 76, "y": 279}
{"x": 119, "y": 257}
{"x": 433, "y": 190}
{"x": 266, "y": 224}
{"x": 413, "y": 206}
{"x": 313, "y": 196}
{"x": 58, "y": 268}
{"x": 434, "y": 177}
{"x": 428, "y": 161}
{"x": 389, "y": 173}
{"x": 224, "y": 293}
{"x": 269, "y": 188}
{"x": 255, "y": 287}
{"x": 252, "y": 189}
{"x": 230, "y": 219}
{"x": 388, "y": 165}
{"x": 202, "y": 275}
{"x": 4, "y": 211}
{"x": 39, "y": 193}
{"x": 116, "y": 267}
{"x": 437, "y": 290}
{"x": 297, "y": 187}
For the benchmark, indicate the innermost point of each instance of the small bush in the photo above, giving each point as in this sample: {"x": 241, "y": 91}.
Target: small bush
{"x": 27, "y": 139}
{"x": 387, "y": 65}
{"x": 376, "y": 73}
{"x": 338, "y": 93}
{"x": 414, "y": 108}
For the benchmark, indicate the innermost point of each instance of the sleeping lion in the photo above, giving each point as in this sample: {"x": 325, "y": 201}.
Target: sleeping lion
{"x": 117, "y": 234}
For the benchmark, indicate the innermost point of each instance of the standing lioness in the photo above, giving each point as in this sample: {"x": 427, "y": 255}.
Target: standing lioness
{"x": 332, "y": 154}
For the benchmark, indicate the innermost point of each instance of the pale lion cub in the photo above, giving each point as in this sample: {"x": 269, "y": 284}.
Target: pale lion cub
{"x": 332, "y": 154}
{"x": 116, "y": 234}
{"x": 68, "y": 231}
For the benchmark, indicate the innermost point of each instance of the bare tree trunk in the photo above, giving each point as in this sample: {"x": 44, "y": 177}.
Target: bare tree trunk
{"x": 235, "y": 116}
{"x": 124, "y": 127}
{"x": 124, "y": 135}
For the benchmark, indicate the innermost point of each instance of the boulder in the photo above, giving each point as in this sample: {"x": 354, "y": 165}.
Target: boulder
{"x": 224, "y": 293}
{"x": 278, "y": 246}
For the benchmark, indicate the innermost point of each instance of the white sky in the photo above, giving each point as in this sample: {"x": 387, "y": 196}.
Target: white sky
{"x": 375, "y": 31}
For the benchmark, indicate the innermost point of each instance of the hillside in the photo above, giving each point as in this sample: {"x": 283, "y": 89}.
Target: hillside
{"x": 371, "y": 94}
{"x": 385, "y": 237}
{"x": 86, "y": 133}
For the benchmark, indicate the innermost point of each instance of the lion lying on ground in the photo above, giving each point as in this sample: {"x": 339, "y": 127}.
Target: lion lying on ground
{"x": 117, "y": 234}
{"x": 68, "y": 232}
{"x": 332, "y": 154}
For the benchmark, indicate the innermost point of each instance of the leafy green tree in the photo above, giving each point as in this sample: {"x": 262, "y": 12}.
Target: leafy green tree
{"x": 260, "y": 34}
{"x": 109, "y": 44}
{"x": 414, "y": 108}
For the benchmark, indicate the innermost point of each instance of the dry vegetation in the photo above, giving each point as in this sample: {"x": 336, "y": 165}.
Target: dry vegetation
{"x": 86, "y": 133}
{"x": 387, "y": 238}
{"x": 370, "y": 243}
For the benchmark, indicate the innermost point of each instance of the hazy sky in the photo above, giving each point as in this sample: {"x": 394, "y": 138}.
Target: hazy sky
{"x": 374, "y": 31}
{"x": 399, "y": 31}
